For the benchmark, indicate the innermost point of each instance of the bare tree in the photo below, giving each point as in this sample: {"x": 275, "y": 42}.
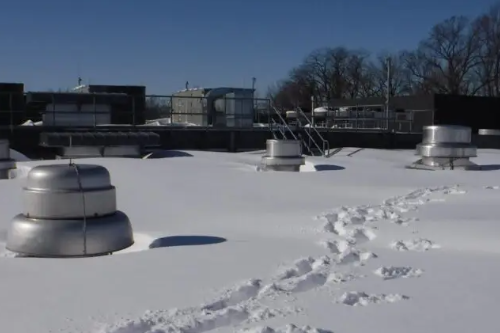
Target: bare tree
{"x": 445, "y": 61}
{"x": 336, "y": 73}
{"x": 358, "y": 75}
{"x": 400, "y": 81}
{"x": 459, "y": 56}
{"x": 318, "y": 68}
{"x": 488, "y": 68}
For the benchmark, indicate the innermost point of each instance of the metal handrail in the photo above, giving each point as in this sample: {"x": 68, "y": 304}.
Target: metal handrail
{"x": 311, "y": 139}
{"x": 283, "y": 122}
{"x": 325, "y": 143}
{"x": 278, "y": 127}
{"x": 283, "y": 133}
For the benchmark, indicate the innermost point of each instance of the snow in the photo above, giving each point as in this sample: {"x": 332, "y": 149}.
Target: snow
{"x": 30, "y": 122}
{"x": 149, "y": 123}
{"x": 356, "y": 244}
{"x": 15, "y": 155}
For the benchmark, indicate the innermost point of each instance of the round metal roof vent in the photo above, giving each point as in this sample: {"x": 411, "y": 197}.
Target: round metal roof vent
{"x": 282, "y": 155}
{"x": 446, "y": 147}
{"x": 69, "y": 211}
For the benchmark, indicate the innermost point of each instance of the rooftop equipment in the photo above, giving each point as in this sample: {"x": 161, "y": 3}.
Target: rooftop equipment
{"x": 445, "y": 147}
{"x": 6, "y": 163}
{"x": 99, "y": 144}
{"x": 282, "y": 155}
{"x": 489, "y": 132}
{"x": 69, "y": 211}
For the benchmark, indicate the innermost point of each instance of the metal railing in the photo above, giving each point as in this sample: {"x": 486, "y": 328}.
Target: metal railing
{"x": 309, "y": 129}
{"x": 366, "y": 117}
{"x": 186, "y": 112}
{"x": 308, "y": 146}
{"x": 282, "y": 126}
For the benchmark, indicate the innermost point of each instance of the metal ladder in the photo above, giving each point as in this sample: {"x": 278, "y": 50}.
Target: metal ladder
{"x": 309, "y": 143}
{"x": 314, "y": 137}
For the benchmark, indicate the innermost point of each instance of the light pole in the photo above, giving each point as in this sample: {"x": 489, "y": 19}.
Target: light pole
{"x": 388, "y": 92}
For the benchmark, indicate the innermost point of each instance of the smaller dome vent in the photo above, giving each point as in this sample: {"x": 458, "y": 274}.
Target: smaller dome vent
{"x": 282, "y": 155}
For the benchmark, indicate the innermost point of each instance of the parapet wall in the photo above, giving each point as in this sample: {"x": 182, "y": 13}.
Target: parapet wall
{"x": 26, "y": 139}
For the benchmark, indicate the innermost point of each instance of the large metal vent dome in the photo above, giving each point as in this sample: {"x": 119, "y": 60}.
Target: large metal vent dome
{"x": 69, "y": 211}
{"x": 446, "y": 147}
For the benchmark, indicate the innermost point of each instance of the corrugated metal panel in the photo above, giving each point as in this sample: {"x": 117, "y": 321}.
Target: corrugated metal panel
{"x": 239, "y": 109}
{"x": 61, "y": 108}
{"x": 69, "y": 115}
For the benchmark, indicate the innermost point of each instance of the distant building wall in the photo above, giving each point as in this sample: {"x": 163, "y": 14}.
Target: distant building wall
{"x": 132, "y": 112}
{"x": 12, "y": 104}
{"x": 473, "y": 111}
{"x": 189, "y": 106}
{"x": 225, "y": 107}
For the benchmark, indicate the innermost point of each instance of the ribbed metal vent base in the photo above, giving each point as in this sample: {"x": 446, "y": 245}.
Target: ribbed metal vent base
{"x": 69, "y": 211}
{"x": 436, "y": 164}
{"x": 63, "y": 237}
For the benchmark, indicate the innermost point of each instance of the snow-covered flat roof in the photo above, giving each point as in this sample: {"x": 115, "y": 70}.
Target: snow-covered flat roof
{"x": 360, "y": 245}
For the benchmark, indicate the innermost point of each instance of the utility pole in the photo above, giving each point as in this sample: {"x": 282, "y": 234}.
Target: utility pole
{"x": 388, "y": 92}
{"x": 254, "y": 102}
{"x": 254, "y": 80}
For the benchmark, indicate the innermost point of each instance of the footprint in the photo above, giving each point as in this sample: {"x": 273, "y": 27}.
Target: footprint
{"x": 355, "y": 257}
{"x": 304, "y": 283}
{"x": 356, "y": 298}
{"x": 290, "y": 328}
{"x": 360, "y": 235}
{"x": 197, "y": 320}
{"x": 305, "y": 274}
{"x": 336, "y": 247}
{"x": 356, "y": 234}
{"x": 346, "y": 253}
{"x": 337, "y": 227}
{"x": 236, "y": 295}
{"x": 404, "y": 221}
{"x": 390, "y": 272}
{"x": 299, "y": 268}
{"x": 341, "y": 220}
{"x": 454, "y": 190}
{"x": 341, "y": 278}
{"x": 419, "y": 197}
{"x": 418, "y": 244}
{"x": 236, "y": 306}
{"x": 382, "y": 212}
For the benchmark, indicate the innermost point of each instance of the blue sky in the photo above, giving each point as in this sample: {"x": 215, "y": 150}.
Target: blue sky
{"x": 162, "y": 44}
